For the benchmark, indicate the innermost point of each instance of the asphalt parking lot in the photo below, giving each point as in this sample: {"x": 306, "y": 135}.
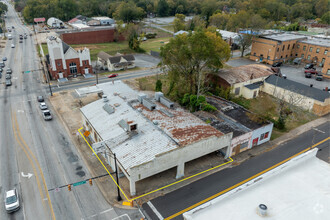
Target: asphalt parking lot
{"x": 293, "y": 72}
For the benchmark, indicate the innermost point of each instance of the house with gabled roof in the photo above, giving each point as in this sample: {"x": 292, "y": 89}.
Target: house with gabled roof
{"x": 63, "y": 61}
{"x": 115, "y": 63}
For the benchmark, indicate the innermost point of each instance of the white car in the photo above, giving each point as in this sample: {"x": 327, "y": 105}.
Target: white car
{"x": 12, "y": 46}
{"x": 46, "y": 114}
{"x": 11, "y": 200}
{"x": 43, "y": 106}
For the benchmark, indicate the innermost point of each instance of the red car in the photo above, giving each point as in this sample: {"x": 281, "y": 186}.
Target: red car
{"x": 113, "y": 75}
{"x": 311, "y": 71}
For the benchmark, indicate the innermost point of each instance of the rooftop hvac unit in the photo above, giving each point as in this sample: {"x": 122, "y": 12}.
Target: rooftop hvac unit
{"x": 108, "y": 109}
{"x": 128, "y": 125}
{"x": 149, "y": 104}
{"x": 227, "y": 108}
{"x": 158, "y": 95}
{"x": 166, "y": 102}
{"x": 141, "y": 97}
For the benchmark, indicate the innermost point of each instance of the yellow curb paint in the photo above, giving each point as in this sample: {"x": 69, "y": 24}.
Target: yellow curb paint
{"x": 242, "y": 182}
{"x": 128, "y": 203}
{"x": 130, "y": 200}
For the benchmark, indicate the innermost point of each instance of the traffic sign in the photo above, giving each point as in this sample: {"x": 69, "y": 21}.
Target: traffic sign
{"x": 79, "y": 183}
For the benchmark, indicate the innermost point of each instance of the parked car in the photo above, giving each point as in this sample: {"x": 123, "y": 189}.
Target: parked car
{"x": 308, "y": 75}
{"x": 30, "y": 34}
{"x": 310, "y": 66}
{"x": 297, "y": 61}
{"x": 2, "y": 64}
{"x": 12, "y": 27}
{"x": 12, "y": 201}
{"x": 25, "y": 36}
{"x": 12, "y": 46}
{"x": 113, "y": 75}
{"x": 9, "y": 71}
{"x": 20, "y": 41}
{"x": 40, "y": 98}
{"x": 312, "y": 71}
{"x": 278, "y": 72}
{"x": 8, "y": 82}
{"x": 8, "y": 76}
{"x": 277, "y": 64}
{"x": 46, "y": 114}
{"x": 43, "y": 106}
{"x": 319, "y": 77}
{"x": 0, "y": 75}
{"x": 4, "y": 58}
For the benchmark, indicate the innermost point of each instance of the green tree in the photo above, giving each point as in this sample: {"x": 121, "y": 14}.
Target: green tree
{"x": 208, "y": 7}
{"x": 325, "y": 19}
{"x": 196, "y": 23}
{"x": 219, "y": 20}
{"x": 159, "y": 85}
{"x": 189, "y": 57}
{"x": 179, "y": 22}
{"x": 239, "y": 20}
{"x": 257, "y": 22}
{"x": 162, "y": 8}
{"x": 321, "y": 7}
{"x": 244, "y": 42}
{"x": 128, "y": 12}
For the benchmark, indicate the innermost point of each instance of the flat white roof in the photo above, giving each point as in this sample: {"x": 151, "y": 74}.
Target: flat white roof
{"x": 299, "y": 189}
{"x": 228, "y": 34}
{"x": 79, "y": 26}
{"x": 102, "y": 18}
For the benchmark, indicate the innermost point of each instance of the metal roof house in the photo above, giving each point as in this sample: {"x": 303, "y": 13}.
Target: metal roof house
{"x": 148, "y": 134}
{"x": 248, "y": 130}
{"x": 54, "y": 22}
{"x": 115, "y": 63}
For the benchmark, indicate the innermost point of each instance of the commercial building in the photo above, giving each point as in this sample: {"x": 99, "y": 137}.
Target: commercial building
{"x": 295, "y": 190}
{"x": 55, "y": 23}
{"x": 105, "y": 20}
{"x": 63, "y": 61}
{"x": 148, "y": 135}
{"x": 285, "y": 46}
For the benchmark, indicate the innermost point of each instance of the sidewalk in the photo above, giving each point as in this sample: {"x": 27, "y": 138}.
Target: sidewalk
{"x": 67, "y": 104}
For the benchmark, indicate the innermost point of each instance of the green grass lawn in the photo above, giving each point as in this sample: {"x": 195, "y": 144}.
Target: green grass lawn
{"x": 44, "y": 48}
{"x": 168, "y": 27}
{"x": 118, "y": 47}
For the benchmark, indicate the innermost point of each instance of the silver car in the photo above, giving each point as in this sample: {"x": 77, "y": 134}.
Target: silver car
{"x": 46, "y": 114}
{"x": 43, "y": 106}
{"x": 11, "y": 200}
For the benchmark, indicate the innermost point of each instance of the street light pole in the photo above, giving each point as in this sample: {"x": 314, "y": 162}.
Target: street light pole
{"x": 118, "y": 192}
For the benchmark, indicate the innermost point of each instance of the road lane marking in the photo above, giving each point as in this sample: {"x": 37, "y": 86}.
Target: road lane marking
{"x": 29, "y": 175}
{"x": 318, "y": 130}
{"x": 38, "y": 165}
{"x": 105, "y": 211}
{"x": 244, "y": 181}
{"x": 122, "y": 216}
{"x": 153, "y": 208}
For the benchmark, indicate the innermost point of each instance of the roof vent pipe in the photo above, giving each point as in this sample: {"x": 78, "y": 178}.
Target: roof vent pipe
{"x": 105, "y": 98}
{"x": 262, "y": 209}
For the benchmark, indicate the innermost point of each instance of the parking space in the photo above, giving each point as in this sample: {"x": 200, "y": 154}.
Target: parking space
{"x": 293, "y": 72}
{"x": 146, "y": 61}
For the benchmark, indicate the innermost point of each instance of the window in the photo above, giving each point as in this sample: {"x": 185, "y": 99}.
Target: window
{"x": 302, "y": 55}
{"x": 278, "y": 49}
{"x": 296, "y": 54}
{"x": 304, "y": 48}
{"x": 59, "y": 64}
{"x": 262, "y": 136}
{"x": 268, "y": 57}
{"x": 254, "y": 54}
{"x": 293, "y": 46}
{"x": 85, "y": 62}
{"x": 237, "y": 91}
{"x": 281, "y": 57}
{"x": 283, "y": 47}
{"x": 310, "y": 49}
{"x": 323, "y": 60}
{"x": 288, "y": 46}
{"x": 266, "y": 135}
{"x": 298, "y": 46}
{"x": 286, "y": 56}
{"x": 325, "y": 52}
{"x": 317, "y": 50}
{"x": 309, "y": 57}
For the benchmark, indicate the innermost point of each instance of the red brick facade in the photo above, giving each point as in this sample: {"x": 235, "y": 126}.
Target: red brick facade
{"x": 67, "y": 73}
{"x": 90, "y": 37}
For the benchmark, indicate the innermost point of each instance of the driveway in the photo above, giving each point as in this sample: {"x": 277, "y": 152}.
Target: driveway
{"x": 293, "y": 72}
{"x": 145, "y": 60}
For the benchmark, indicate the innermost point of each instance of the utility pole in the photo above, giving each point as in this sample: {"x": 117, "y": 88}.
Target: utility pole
{"x": 118, "y": 196}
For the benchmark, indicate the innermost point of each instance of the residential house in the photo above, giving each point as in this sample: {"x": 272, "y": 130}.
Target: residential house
{"x": 63, "y": 61}
{"x": 148, "y": 135}
{"x": 230, "y": 37}
{"x": 94, "y": 22}
{"x": 248, "y": 129}
{"x": 105, "y": 20}
{"x": 75, "y": 21}
{"x": 244, "y": 80}
{"x": 115, "y": 63}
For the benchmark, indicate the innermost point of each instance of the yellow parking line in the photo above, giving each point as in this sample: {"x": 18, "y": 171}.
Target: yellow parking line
{"x": 79, "y": 130}
{"x": 242, "y": 182}
{"x": 40, "y": 171}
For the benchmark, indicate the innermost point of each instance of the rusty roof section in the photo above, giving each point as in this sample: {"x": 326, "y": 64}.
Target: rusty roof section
{"x": 244, "y": 73}
{"x": 184, "y": 128}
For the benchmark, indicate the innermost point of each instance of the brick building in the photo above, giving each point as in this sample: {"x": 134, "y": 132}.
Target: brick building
{"x": 63, "y": 61}
{"x": 91, "y": 36}
{"x": 283, "y": 47}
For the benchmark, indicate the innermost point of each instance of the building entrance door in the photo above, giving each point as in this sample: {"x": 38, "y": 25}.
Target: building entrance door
{"x": 73, "y": 68}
